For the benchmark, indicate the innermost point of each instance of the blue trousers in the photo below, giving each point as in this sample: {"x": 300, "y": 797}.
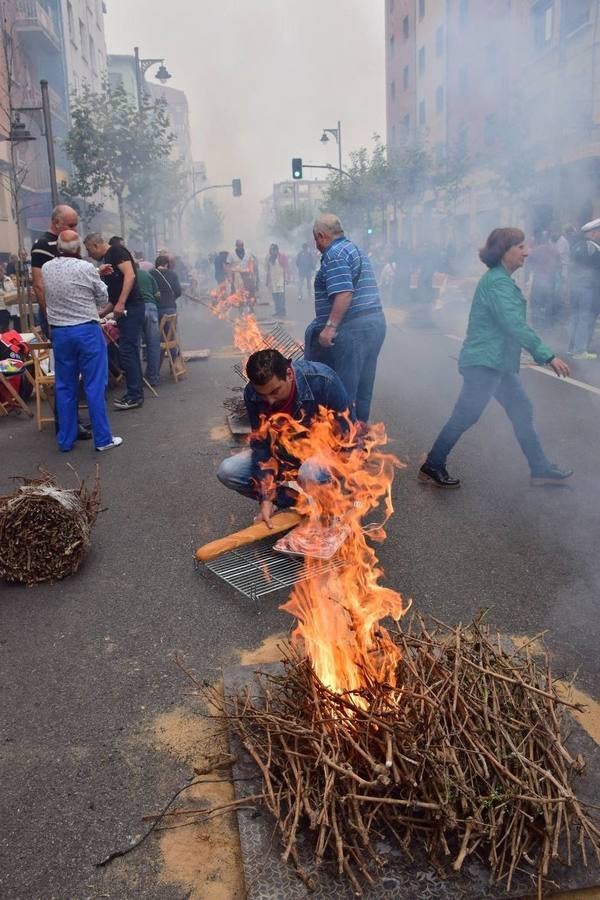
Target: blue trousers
{"x": 130, "y": 332}
{"x": 241, "y": 473}
{"x": 583, "y": 319}
{"x": 479, "y": 386}
{"x": 353, "y": 357}
{"x": 152, "y": 338}
{"x": 80, "y": 350}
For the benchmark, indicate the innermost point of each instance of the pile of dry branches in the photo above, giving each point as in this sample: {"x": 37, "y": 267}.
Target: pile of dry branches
{"x": 468, "y": 756}
{"x": 45, "y": 529}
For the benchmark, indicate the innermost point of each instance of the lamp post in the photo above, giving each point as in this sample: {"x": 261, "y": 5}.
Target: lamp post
{"x": 141, "y": 67}
{"x": 337, "y": 134}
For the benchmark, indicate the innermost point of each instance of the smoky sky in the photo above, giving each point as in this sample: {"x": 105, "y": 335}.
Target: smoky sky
{"x": 263, "y": 78}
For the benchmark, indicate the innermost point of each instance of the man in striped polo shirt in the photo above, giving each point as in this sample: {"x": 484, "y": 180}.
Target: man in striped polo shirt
{"x": 349, "y": 326}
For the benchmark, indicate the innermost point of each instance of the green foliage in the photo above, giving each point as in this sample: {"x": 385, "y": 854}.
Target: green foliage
{"x": 111, "y": 142}
{"x": 288, "y": 220}
{"x": 86, "y": 208}
{"x": 207, "y": 224}
{"x": 155, "y": 192}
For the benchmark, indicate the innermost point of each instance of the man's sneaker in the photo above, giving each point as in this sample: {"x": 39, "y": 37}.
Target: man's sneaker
{"x": 438, "y": 476}
{"x": 585, "y": 355}
{"x": 551, "y": 475}
{"x": 116, "y": 442}
{"x": 127, "y": 403}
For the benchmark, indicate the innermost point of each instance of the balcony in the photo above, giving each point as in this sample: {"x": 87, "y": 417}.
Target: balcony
{"x": 33, "y": 97}
{"x": 35, "y": 26}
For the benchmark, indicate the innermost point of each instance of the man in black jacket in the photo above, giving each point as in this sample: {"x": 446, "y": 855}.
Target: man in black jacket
{"x": 585, "y": 290}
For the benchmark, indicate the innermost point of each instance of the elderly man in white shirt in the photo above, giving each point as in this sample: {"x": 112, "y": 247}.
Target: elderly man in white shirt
{"x": 74, "y": 291}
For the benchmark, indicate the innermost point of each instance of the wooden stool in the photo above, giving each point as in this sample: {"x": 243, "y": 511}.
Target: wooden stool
{"x": 43, "y": 383}
{"x": 169, "y": 340}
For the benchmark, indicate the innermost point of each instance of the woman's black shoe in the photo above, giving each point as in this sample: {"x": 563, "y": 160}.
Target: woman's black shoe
{"x": 437, "y": 475}
{"x": 83, "y": 433}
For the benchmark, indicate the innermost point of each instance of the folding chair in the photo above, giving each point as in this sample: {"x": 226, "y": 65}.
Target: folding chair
{"x": 43, "y": 383}
{"x": 13, "y": 400}
{"x": 169, "y": 340}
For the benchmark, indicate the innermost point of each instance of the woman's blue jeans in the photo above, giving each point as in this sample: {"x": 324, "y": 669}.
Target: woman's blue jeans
{"x": 152, "y": 339}
{"x": 479, "y": 386}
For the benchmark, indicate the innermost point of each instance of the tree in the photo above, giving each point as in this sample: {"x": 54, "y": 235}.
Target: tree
{"x": 86, "y": 208}
{"x": 155, "y": 193}
{"x": 112, "y": 142}
{"x": 289, "y": 219}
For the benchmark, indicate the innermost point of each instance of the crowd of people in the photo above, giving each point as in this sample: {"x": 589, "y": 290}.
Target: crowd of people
{"x": 93, "y": 312}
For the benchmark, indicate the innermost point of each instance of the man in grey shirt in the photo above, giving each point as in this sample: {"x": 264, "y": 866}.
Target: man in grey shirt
{"x": 73, "y": 291}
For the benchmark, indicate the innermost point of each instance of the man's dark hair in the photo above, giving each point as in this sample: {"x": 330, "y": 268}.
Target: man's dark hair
{"x": 499, "y": 241}
{"x": 162, "y": 261}
{"x": 266, "y": 364}
{"x": 115, "y": 241}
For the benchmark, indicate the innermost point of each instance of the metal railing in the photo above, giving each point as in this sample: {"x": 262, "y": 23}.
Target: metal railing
{"x": 31, "y": 11}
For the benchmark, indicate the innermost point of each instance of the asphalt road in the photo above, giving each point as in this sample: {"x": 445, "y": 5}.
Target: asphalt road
{"x": 87, "y": 664}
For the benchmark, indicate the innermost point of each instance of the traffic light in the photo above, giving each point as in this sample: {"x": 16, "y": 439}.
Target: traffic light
{"x": 236, "y": 186}
{"x": 296, "y": 167}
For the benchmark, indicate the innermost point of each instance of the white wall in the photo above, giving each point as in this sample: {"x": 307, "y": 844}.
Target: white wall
{"x": 85, "y": 43}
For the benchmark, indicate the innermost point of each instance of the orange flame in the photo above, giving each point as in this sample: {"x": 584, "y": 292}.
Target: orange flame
{"x": 339, "y": 611}
{"x": 247, "y": 336}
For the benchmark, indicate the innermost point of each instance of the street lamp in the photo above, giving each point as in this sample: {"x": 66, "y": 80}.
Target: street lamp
{"x": 141, "y": 67}
{"x": 337, "y": 134}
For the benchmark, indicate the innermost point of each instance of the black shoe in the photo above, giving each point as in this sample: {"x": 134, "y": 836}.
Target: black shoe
{"x": 437, "y": 475}
{"x": 550, "y": 475}
{"x": 83, "y": 433}
{"x": 127, "y": 403}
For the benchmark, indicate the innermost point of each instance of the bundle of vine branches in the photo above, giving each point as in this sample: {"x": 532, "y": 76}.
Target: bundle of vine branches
{"x": 45, "y": 529}
{"x": 468, "y": 756}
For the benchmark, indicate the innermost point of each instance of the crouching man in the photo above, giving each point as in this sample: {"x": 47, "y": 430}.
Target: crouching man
{"x": 278, "y": 386}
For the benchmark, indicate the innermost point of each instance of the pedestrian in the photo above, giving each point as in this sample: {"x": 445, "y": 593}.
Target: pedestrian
{"x": 543, "y": 264}
{"x": 62, "y": 218}
{"x": 277, "y": 278}
{"x": 170, "y": 290}
{"x": 73, "y": 291}
{"x": 277, "y": 386}
{"x": 490, "y": 360}
{"x": 349, "y": 326}
{"x": 221, "y": 266}
{"x": 305, "y": 263}
{"x": 144, "y": 265}
{"x": 151, "y": 332}
{"x": 585, "y": 290}
{"x": 387, "y": 281}
{"x": 125, "y": 302}
{"x": 244, "y": 271}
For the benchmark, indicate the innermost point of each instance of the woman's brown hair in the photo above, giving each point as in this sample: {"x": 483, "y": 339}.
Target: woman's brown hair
{"x": 499, "y": 241}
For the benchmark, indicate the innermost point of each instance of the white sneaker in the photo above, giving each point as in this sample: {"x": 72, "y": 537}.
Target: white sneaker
{"x": 116, "y": 442}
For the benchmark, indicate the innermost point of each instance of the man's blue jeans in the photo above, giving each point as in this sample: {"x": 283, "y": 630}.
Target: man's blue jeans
{"x": 80, "y": 349}
{"x": 353, "y": 357}
{"x": 241, "y": 473}
{"x": 479, "y": 386}
{"x": 582, "y": 321}
{"x": 130, "y": 333}
{"x": 152, "y": 339}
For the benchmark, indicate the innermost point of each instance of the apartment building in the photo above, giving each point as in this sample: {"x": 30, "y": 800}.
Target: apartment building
{"x": 85, "y": 43}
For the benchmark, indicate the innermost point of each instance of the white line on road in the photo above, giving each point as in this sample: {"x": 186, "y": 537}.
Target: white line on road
{"x": 532, "y": 368}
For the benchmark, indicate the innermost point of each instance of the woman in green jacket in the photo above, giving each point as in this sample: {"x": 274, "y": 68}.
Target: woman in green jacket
{"x": 489, "y": 363}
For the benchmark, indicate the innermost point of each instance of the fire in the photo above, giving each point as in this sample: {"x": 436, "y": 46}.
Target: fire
{"x": 339, "y": 611}
{"x": 247, "y": 336}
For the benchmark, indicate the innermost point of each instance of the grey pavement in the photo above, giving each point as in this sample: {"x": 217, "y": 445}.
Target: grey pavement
{"x": 87, "y": 664}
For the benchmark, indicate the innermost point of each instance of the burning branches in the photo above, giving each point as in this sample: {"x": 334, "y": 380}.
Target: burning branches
{"x": 466, "y": 754}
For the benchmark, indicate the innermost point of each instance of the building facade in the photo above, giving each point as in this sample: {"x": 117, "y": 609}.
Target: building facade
{"x": 85, "y": 43}
{"x": 507, "y": 89}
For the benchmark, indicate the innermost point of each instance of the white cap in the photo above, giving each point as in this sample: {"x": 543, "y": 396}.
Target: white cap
{"x": 594, "y": 225}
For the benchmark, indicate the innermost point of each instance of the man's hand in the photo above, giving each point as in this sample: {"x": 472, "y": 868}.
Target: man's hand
{"x": 119, "y": 310}
{"x": 560, "y": 367}
{"x": 267, "y": 508}
{"x": 105, "y": 269}
{"x": 327, "y": 336}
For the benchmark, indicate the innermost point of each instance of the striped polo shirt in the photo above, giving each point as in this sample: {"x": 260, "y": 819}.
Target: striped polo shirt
{"x": 345, "y": 268}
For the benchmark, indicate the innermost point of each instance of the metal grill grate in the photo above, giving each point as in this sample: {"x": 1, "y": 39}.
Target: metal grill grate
{"x": 280, "y": 339}
{"x": 257, "y": 570}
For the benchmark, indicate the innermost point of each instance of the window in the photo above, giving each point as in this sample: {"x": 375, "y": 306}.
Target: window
{"x": 406, "y": 125}
{"x": 489, "y": 130}
{"x": 392, "y": 45}
{"x": 422, "y": 112}
{"x": 82, "y": 40}
{"x": 463, "y": 81}
{"x": 393, "y": 91}
{"x": 92, "y": 55}
{"x": 543, "y": 15}
{"x": 406, "y": 78}
{"x": 576, "y": 13}
{"x": 71, "y": 21}
{"x": 421, "y": 9}
{"x": 463, "y": 140}
{"x": 439, "y": 40}
{"x": 405, "y": 27}
{"x": 115, "y": 80}
{"x": 463, "y": 12}
{"x": 439, "y": 99}
{"x": 421, "y": 60}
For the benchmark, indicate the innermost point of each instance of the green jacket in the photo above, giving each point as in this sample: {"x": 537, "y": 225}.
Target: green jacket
{"x": 498, "y": 327}
{"x": 148, "y": 287}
